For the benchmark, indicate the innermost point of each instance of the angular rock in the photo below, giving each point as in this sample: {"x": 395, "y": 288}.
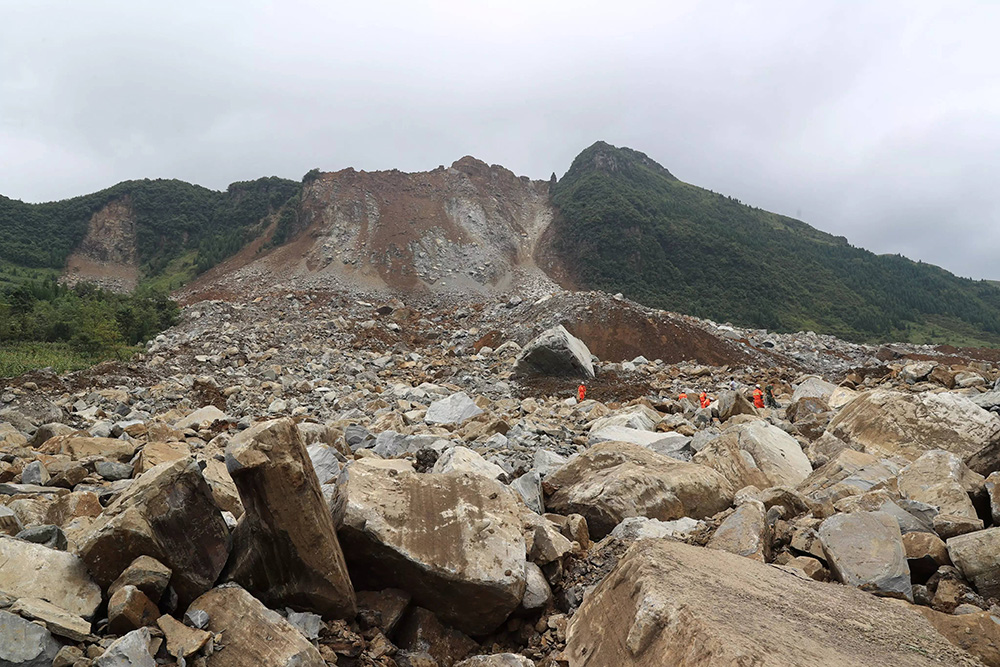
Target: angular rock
{"x": 59, "y": 621}
{"x": 865, "y": 549}
{"x": 223, "y": 489}
{"x": 813, "y": 386}
{"x": 34, "y": 571}
{"x": 723, "y": 454}
{"x": 47, "y": 535}
{"x": 977, "y": 555}
{"x": 848, "y": 473}
{"x": 745, "y": 533}
{"x": 167, "y": 514}
{"x": 132, "y": 650}
{"x": 155, "y": 453}
{"x": 463, "y": 460}
{"x": 25, "y": 644}
{"x": 454, "y": 409}
{"x": 80, "y": 448}
{"x": 941, "y": 479}
{"x": 615, "y": 480}
{"x": 452, "y": 541}
{"x": 285, "y": 549}
{"x": 529, "y": 487}
{"x": 888, "y": 423}
{"x": 145, "y": 573}
{"x": 978, "y": 633}
{"x": 35, "y": 473}
{"x": 537, "y": 593}
{"x": 648, "y": 439}
{"x": 207, "y": 415}
{"x": 639, "y": 527}
{"x": 555, "y": 352}
{"x": 732, "y": 403}
{"x": 668, "y": 603}
{"x": 497, "y": 660}
{"x": 777, "y": 454}
{"x": 182, "y": 641}
{"x": 254, "y": 635}
{"x": 129, "y": 609}
{"x": 384, "y": 608}
{"x": 925, "y": 553}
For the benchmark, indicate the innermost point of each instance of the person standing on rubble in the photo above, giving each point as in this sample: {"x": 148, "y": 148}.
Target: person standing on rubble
{"x": 703, "y": 398}
{"x": 769, "y": 397}
{"x": 581, "y": 392}
{"x": 758, "y": 397}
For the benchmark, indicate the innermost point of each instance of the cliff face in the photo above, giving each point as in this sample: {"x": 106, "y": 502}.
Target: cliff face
{"x": 107, "y": 255}
{"x": 470, "y": 227}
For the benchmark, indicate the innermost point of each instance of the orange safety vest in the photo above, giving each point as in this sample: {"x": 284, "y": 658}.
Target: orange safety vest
{"x": 581, "y": 391}
{"x": 758, "y": 398}
{"x": 703, "y": 397}
{"x": 681, "y": 397}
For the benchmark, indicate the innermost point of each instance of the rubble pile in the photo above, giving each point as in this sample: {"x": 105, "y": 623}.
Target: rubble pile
{"x": 313, "y": 478}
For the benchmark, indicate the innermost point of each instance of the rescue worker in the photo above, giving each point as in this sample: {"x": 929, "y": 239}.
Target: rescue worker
{"x": 769, "y": 397}
{"x": 703, "y": 397}
{"x": 681, "y": 396}
{"x": 581, "y": 392}
{"x": 758, "y": 397}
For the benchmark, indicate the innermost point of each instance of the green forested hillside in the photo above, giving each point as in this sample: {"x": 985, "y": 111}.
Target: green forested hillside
{"x": 626, "y": 224}
{"x": 172, "y": 218}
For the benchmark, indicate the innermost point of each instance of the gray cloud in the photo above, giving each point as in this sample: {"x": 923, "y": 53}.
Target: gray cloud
{"x": 877, "y": 121}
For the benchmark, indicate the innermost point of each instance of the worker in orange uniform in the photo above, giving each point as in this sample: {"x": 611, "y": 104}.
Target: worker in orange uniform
{"x": 681, "y": 396}
{"x": 581, "y": 392}
{"x": 758, "y": 397}
{"x": 703, "y": 397}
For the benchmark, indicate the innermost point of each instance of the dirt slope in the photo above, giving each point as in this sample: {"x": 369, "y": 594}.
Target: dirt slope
{"x": 107, "y": 256}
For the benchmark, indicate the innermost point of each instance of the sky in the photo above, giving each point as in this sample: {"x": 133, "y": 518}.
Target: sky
{"x": 878, "y": 121}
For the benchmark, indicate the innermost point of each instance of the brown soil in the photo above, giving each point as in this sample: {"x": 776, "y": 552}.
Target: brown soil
{"x": 607, "y": 387}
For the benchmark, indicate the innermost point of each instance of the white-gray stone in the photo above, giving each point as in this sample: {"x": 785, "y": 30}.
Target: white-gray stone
{"x": 454, "y": 409}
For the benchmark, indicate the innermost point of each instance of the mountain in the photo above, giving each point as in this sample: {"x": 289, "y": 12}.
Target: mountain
{"x": 616, "y": 221}
{"x": 137, "y": 230}
{"x": 626, "y": 224}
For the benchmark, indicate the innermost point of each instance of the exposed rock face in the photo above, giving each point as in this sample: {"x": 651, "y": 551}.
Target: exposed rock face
{"x": 556, "y": 352}
{"x": 168, "y": 514}
{"x": 977, "y": 555}
{"x": 452, "y": 541}
{"x": 285, "y": 549}
{"x": 940, "y": 479}
{"x": 615, "y": 480}
{"x": 108, "y": 255}
{"x": 667, "y": 603}
{"x": 25, "y": 644}
{"x": 33, "y": 571}
{"x": 865, "y": 549}
{"x": 744, "y": 532}
{"x": 889, "y": 423}
{"x": 255, "y": 634}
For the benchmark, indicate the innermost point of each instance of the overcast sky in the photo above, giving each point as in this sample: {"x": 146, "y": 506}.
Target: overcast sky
{"x": 873, "y": 120}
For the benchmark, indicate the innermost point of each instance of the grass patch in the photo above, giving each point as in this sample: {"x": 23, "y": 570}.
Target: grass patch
{"x": 942, "y": 330}
{"x": 20, "y": 357}
{"x": 178, "y": 272}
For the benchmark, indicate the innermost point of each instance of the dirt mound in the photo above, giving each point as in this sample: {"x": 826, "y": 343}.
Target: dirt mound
{"x": 620, "y": 330}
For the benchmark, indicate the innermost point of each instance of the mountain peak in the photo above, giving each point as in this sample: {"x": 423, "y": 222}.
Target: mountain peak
{"x": 602, "y": 156}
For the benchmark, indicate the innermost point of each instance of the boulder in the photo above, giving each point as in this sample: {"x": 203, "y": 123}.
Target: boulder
{"x": 207, "y": 415}
{"x": 848, "y": 473}
{"x": 34, "y": 571}
{"x": 805, "y": 408}
{"x": 497, "y": 660}
{"x": 723, "y": 454}
{"x": 529, "y": 487}
{"x": 865, "y": 549}
{"x": 462, "y": 459}
{"x": 941, "y": 479}
{"x": 813, "y": 386}
{"x": 25, "y": 644}
{"x": 732, "y": 403}
{"x": 977, "y": 555}
{"x": 253, "y": 634}
{"x": 668, "y": 603}
{"x": 453, "y": 541}
{"x": 155, "y": 453}
{"x": 129, "y": 609}
{"x": 639, "y": 417}
{"x": 80, "y": 448}
{"x": 777, "y": 454}
{"x": 285, "y": 548}
{"x": 615, "y": 480}
{"x": 648, "y": 439}
{"x": 132, "y": 650}
{"x": 181, "y": 640}
{"x": 147, "y": 574}
{"x": 889, "y": 423}
{"x": 745, "y": 533}
{"x": 555, "y": 352}
{"x": 167, "y": 514}
{"x": 915, "y": 371}
{"x": 454, "y": 409}
{"x": 58, "y": 621}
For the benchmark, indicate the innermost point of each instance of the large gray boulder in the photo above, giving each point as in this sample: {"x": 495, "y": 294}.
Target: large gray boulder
{"x": 732, "y": 403}
{"x": 29, "y": 570}
{"x": 254, "y": 635}
{"x": 744, "y": 532}
{"x": 865, "y": 549}
{"x": 977, "y": 555}
{"x": 454, "y": 409}
{"x": 168, "y": 513}
{"x": 453, "y": 541}
{"x": 285, "y": 548}
{"x": 555, "y": 352}
{"x": 890, "y": 423}
{"x": 777, "y": 454}
{"x": 25, "y": 644}
{"x": 615, "y": 480}
{"x": 941, "y": 479}
{"x": 668, "y": 603}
